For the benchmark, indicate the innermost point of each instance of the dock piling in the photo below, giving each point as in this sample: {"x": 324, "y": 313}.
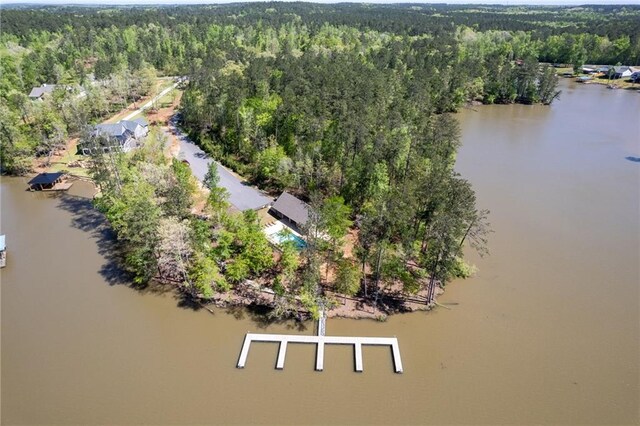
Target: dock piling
{"x": 358, "y": 354}
{"x": 320, "y": 356}
{"x": 282, "y": 353}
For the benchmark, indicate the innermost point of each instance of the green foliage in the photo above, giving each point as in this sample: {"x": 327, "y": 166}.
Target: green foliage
{"x": 134, "y": 215}
{"x": 179, "y": 191}
{"x": 309, "y": 301}
{"x": 335, "y": 216}
{"x": 201, "y": 235}
{"x": 254, "y": 248}
{"x": 461, "y": 269}
{"x": 289, "y": 258}
{"x": 347, "y": 278}
{"x": 273, "y": 167}
{"x": 224, "y": 244}
{"x": 204, "y": 273}
{"x": 212, "y": 178}
{"x": 237, "y": 270}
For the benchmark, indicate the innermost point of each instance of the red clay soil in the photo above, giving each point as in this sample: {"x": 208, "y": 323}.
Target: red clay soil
{"x": 161, "y": 116}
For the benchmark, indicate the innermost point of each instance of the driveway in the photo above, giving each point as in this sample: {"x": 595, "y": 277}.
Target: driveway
{"x": 241, "y": 194}
{"x": 148, "y": 104}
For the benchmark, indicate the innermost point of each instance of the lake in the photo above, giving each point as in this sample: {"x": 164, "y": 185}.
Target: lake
{"x": 547, "y": 332}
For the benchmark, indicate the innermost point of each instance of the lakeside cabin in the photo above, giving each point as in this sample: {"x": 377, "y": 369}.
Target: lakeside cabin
{"x": 3, "y": 252}
{"x": 49, "y": 182}
{"x": 291, "y": 210}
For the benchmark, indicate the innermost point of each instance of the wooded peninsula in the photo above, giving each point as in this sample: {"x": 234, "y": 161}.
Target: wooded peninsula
{"x": 343, "y": 114}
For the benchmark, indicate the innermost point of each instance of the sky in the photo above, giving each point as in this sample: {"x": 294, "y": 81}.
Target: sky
{"x": 507, "y": 2}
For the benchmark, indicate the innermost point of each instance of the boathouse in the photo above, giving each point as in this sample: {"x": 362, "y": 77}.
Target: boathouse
{"x": 291, "y": 210}
{"x": 49, "y": 182}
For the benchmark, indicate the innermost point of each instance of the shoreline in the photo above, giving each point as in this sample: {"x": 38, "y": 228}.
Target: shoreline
{"x": 252, "y": 294}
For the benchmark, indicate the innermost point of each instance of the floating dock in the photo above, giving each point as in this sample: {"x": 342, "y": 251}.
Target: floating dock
{"x": 320, "y": 341}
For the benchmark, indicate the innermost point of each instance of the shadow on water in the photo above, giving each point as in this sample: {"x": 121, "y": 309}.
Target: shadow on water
{"x": 634, "y": 159}
{"x": 88, "y": 219}
{"x": 260, "y": 316}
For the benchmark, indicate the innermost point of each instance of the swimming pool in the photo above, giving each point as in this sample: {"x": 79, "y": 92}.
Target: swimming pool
{"x": 281, "y": 238}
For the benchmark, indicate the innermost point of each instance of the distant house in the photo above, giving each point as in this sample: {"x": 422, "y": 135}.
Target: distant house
{"x": 604, "y": 69}
{"x": 123, "y": 135}
{"x": 37, "y": 93}
{"x": 621, "y": 72}
{"x": 635, "y": 77}
{"x": 291, "y": 209}
{"x": 588, "y": 69}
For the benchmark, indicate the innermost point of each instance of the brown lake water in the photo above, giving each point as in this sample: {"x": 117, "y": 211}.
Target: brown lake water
{"x": 547, "y": 332}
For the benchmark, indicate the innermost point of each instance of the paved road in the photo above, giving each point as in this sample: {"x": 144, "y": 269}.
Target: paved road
{"x": 241, "y": 195}
{"x": 148, "y": 104}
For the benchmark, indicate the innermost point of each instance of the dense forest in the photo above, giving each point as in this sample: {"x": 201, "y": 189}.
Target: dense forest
{"x": 347, "y": 106}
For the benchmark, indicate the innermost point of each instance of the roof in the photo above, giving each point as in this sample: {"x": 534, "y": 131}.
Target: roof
{"x": 119, "y": 129}
{"x": 2, "y": 243}
{"x": 130, "y": 125}
{"x": 115, "y": 130}
{"x": 37, "y": 92}
{"x": 291, "y": 207}
{"x": 141, "y": 121}
{"x": 621, "y": 69}
{"x": 45, "y": 178}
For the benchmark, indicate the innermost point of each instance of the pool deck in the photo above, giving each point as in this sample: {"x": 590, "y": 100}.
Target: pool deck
{"x": 272, "y": 231}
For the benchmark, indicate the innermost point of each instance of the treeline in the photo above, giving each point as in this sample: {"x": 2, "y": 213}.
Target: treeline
{"x": 168, "y": 38}
{"x": 114, "y": 62}
{"x": 611, "y": 20}
{"x": 323, "y": 117}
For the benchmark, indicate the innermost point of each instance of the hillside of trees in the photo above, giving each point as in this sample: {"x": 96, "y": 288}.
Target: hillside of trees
{"x": 347, "y": 106}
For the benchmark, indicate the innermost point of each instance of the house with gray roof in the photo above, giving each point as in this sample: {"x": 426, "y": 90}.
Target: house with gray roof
{"x": 621, "y": 72}
{"x": 37, "y": 93}
{"x": 123, "y": 135}
{"x": 291, "y": 209}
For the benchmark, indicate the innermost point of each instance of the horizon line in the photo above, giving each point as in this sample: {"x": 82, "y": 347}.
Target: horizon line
{"x": 555, "y": 3}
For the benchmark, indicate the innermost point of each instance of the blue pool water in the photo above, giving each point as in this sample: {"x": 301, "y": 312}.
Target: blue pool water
{"x": 300, "y": 243}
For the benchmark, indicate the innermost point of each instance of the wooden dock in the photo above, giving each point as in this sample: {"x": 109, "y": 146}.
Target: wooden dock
{"x": 320, "y": 341}
{"x": 322, "y": 323}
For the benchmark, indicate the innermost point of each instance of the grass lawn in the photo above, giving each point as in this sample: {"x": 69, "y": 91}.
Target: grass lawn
{"x": 61, "y": 163}
{"x": 561, "y": 71}
{"x": 167, "y": 100}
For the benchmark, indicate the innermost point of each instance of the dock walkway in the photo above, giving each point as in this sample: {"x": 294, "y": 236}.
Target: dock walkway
{"x": 320, "y": 341}
{"x": 322, "y": 323}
